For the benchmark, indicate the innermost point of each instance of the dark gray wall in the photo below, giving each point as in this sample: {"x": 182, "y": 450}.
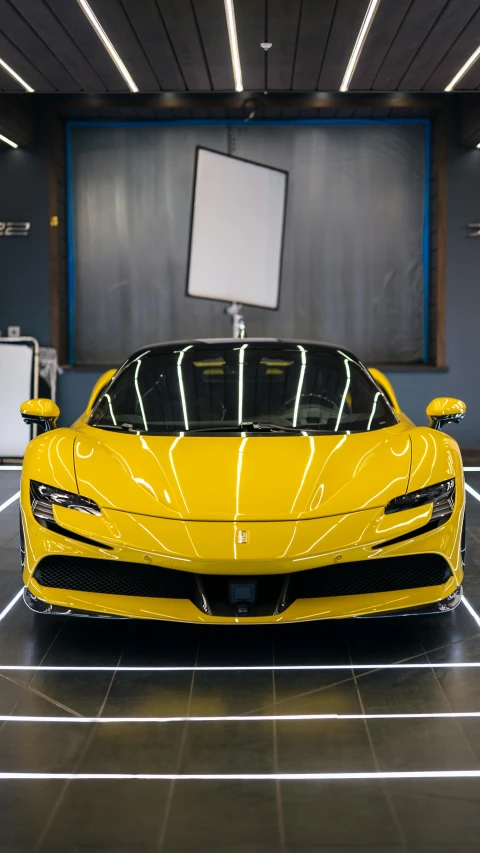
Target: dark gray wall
{"x": 24, "y": 289}
{"x": 415, "y": 390}
{"x": 24, "y": 261}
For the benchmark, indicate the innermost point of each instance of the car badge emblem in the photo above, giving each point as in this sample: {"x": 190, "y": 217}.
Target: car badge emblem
{"x": 242, "y": 537}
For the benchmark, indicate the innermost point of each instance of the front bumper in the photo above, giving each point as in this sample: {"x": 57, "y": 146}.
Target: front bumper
{"x": 274, "y": 548}
{"x": 446, "y": 605}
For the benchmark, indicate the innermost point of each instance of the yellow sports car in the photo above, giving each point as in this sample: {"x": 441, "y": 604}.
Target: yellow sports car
{"x": 242, "y": 481}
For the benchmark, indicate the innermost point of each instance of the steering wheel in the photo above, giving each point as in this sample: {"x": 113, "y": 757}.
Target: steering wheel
{"x": 320, "y": 401}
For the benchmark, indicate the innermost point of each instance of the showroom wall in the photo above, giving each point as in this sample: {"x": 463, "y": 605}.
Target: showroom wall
{"x": 24, "y": 261}
{"x": 24, "y": 288}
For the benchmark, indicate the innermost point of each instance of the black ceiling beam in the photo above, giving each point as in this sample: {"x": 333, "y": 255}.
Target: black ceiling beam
{"x": 233, "y": 100}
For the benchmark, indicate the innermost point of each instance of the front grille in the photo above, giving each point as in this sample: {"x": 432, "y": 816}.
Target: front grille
{"x": 106, "y": 576}
{"x": 274, "y": 592}
{"x": 387, "y": 574}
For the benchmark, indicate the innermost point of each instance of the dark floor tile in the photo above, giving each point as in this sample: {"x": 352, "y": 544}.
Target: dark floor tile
{"x": 87, "y": 642}
{"x": 10, "y": 694}
{"x": 328, "y": 815}
{"x": 443, "y": 629}
{"x": 223, "y": 816}
{"x": 401, "y": 691}
{"x": 154, "y": 643}
{"x": 236, "y": 645}
{"x": 132, "y": 748}
{"x": 108, "y": 815}
{"x": 41, "y": 747}
{"x": 229, "y": 747}
{"x": 149, "y": 694}
{"x": 323, "y": 746}
{"x": 311, "y": 643}
{"x": 461, "y": 687}
{"x": 390, "y": 640}
{"x": 24, "y": 805}
{"x": 315, "y": 692}
{"x": 440, "y": 814}
{"x": 231, "y": 693}
{"x": 421, "y": 744}
{"x": 81, "y": 696}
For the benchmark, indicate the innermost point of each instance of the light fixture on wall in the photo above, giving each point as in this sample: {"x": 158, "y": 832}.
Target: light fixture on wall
{"x": 108, "y": 45}
{"x": 463, "y": 70}
{"x": 16, "y": 76}
{"x": 8, "y": 141}
{"x": 362, "y": 35}
{"x": 232, "y": 37}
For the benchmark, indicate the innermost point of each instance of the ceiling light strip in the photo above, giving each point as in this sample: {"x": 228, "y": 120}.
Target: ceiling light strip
{"x": 448, "y": 715}
{"x": 463, "y": 70}
{"x": 19, "y": 467}
{"x": 275, "y": 668}
{"x": 108, "y": 45}
{"x": 362, "y": 35}
{"x": 472, "y": 492}
{"x": 232, "y": 37}
{"x": 8, "y": 141}
{"x": 16, "y": 76}
{"x": 469, "y": 467}
{"x": 251, "y": 777}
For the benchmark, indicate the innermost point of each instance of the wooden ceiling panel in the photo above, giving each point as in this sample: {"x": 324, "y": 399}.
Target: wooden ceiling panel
{"x": 116, "y": 23}
{"x": 283, "y": 23}
{"x": 40, "y": 17}
{"x": 315, "y": 22}
{"x": 250, "y": 22}
{"x": 21, "y": 34}
{"x": 449, "y": 26}
{"x": 347, "y": 20}
{"x": 76, "y": 24}
{"x": 416, "y": 26}
{"x": 149, "y": 28}
{"x": 19, "y": 62}
{"x": 180, "y": 21}
{"x": 454, "y": 58}
{"x": 214, "y": 34}
{"x": 383, "y": 30}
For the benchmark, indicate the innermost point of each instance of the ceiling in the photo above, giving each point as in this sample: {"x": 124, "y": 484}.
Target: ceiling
{"x": 182, "y": 45}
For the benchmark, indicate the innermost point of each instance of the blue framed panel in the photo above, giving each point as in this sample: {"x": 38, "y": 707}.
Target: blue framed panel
{"x": 424, "y": 122}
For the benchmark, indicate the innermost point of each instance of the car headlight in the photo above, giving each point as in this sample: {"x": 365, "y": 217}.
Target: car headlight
{"x": 441, "y": 495}
{"x": 43, "y": 497}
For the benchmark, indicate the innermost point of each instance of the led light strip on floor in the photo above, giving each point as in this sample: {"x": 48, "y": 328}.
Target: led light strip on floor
{"x": 9, "y": 501}
{"x": 246, "y": 718}
{"x": 252, "y": 777}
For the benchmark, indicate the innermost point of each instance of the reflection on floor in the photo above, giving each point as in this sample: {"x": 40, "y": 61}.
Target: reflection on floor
{"x": 239, "y": 815}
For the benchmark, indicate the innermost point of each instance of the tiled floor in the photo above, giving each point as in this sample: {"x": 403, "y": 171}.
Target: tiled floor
{"x": 239, "y": 815}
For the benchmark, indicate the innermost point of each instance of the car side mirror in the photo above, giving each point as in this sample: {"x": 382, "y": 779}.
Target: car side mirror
{"x": 444, "y": 410}
{"x": 40, "y": 411}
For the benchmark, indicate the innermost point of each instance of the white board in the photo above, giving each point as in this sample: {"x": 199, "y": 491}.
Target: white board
{"x": 237, "y": 230}
{"x": 17, "y": 384}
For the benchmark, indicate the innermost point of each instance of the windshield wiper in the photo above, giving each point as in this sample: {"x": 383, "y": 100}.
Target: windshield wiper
{"x": 248, "y": 426}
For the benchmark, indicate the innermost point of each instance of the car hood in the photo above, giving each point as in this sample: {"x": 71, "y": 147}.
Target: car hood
{"x": 254, "y": 478}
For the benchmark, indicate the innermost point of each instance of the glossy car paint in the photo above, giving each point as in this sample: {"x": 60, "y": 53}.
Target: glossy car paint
{"x": 179, "y": 502}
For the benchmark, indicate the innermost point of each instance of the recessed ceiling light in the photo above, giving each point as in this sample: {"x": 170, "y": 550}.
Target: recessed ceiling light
{"x": 14, "y": 145}
{"x": 362, "y": 35}
{"x": 463, "y": 70}
{"x": 478, "y": 145}
{"x": 108, "y": 45}
{"x": 232, "y": 36}
{"x": 16, "y": 76}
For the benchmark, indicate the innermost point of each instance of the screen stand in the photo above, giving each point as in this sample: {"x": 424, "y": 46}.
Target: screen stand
{"x": 237, "y": 318}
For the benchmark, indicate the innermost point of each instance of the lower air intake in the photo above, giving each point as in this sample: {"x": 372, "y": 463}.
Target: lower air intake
{"x": 387, "y": 574}
{"x": 107, "y": 576}
{"x": 273, "y": 592}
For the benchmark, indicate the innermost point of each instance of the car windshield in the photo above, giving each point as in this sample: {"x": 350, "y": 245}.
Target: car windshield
{"x": 242, "y": 386}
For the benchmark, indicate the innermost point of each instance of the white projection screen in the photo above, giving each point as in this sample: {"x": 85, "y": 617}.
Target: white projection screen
{"x": 237, "y": 230}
